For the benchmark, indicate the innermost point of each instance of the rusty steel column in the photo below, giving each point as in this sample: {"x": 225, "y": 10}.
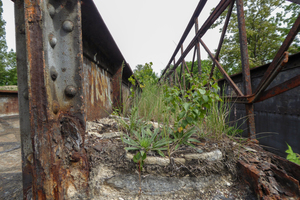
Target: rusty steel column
{"x": 174, "y": 78}
{"x": 171, "y": 82}
{"x": 198, "y": 49}
{"x": 117, "y": 88}
{"x": 52, "y": 116}
{"x": 245, "y": 68}
{"x": 183, "y": 70}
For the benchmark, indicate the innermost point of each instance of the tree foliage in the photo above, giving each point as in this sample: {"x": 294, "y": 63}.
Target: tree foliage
{"x": 267, "y": 24}
{"x": 145, "y": 74}
{"x": 8, "y": 66}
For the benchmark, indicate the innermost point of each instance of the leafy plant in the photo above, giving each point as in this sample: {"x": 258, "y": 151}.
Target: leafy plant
{"x": 144, "y": 142}
{"x": 192, "y": 107}
{"x": 292, "y": 156}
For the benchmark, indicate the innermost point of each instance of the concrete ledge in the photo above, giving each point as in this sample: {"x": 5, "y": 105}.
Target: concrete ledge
{"x": 210, "y": 156}
{"x": 105, "y": 135}
{"x": 215, "y": 155}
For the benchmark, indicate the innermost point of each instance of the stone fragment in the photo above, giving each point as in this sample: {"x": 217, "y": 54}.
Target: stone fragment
{"x": 249, "y": 149}
{"x": 179, "y": 160}
{"x": 157, "y": 161}
{"x": 210, "y": 156}
{"x": 111, "y": 135}
{"x": 151, "y": 160}
{"x": 95, "y": 134}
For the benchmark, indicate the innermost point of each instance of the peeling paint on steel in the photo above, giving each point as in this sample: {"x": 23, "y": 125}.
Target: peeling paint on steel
{"x": 98, "y": 89}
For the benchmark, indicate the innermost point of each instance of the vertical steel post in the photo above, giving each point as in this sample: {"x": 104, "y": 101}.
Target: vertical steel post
{"x": 117, "y": 88}
{"x": 245, "y": 68}
{"x": 198, "y": 49}
{"x": 183, "y": 70}
{"x": 174, "y": 73}
{"x": 52, "y": 116}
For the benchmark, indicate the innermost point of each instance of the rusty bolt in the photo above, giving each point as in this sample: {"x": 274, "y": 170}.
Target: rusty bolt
{"x": 53, "y": 73}
{"x": 70, "y": 91}
{"x": 25, "y": 94}
{"x": 52, "y": 40}
{"x": 68, "y": 26}
{"x": 51, "y": 10}
{"x": 55, "y": 107}
{"x": 30, "y": 158}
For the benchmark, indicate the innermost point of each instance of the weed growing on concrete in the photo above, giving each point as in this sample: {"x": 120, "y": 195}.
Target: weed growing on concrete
{"x": 292, "y": 156}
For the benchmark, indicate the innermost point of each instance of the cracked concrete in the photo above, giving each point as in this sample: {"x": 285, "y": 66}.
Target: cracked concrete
{"x": 10, "y": 158}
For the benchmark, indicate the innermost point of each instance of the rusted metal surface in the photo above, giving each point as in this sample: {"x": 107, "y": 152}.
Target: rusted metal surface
{"x": 198, "y": 49}
{"x": 245, "y": 68}
{"x": 244, "y": 48}
{"x": 281, "y": 88}
{"x": 190, "y": 25}
{"x": 222, "y": 37}
{"x": 117, "y": 89}
{"x": 98, "y": 91}
{"x": 98, "y": 44}
{"x": 182, "y": 71}
{"x": 106, "y": 60}
{"x": 270, "y": 176}
{"x": 231, "y": 83}
{"x": 8, "y": 103}
{"x": 54, "y": 161}
{"x": 193, "y": 60}
{"x": 211, "y": 19}
{"x": 273, "y": 68}
{"x": 58, "y": 91}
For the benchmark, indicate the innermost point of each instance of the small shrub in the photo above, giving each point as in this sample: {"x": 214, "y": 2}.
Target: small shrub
{"x": 292, "y": 156}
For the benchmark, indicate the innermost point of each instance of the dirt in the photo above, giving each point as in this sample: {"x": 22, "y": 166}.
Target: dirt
{"x": 110, "y": 153}
{"x": 270, "y": 176}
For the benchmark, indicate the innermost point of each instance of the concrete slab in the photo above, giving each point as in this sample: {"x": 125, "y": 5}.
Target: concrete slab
{"x": 10, "y": 158}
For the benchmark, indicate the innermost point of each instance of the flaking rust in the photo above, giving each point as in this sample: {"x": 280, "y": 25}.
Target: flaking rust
{"x": 55, "y": 165}
{"x": 270, "y": 176}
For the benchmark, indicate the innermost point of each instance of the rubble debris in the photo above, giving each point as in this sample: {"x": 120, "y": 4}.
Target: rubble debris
{"x": 246, "y": 167}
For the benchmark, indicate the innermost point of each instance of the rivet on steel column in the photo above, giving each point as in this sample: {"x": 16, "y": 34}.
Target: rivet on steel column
{"x": 52, "y": 105}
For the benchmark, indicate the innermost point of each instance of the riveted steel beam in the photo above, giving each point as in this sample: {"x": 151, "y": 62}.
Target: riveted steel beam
{"x": 50, "y": 61}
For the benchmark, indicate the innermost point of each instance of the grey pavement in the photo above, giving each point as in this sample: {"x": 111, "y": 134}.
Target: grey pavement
{"x": 10, "y": 158}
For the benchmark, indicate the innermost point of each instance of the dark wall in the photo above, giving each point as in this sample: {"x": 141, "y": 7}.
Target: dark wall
{"x": 277, "y": 120}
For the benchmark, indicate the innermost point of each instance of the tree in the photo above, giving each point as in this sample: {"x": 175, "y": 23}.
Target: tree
{"x": 8, "y": 66}
{"x": 267, "y": 24}
{"x": 145, "y": 74}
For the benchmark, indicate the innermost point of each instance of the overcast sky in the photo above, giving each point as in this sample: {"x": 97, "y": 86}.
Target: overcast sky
{"x": 144, "y": 30}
